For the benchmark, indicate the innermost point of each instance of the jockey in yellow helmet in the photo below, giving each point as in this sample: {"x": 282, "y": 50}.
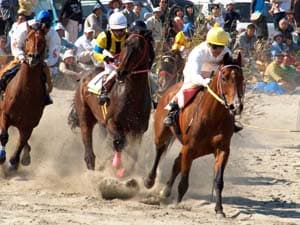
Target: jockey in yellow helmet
{"x": 203, "y": 59}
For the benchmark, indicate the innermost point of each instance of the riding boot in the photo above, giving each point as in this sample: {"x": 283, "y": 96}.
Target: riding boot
{"x": 171, "y": 117}
{"x": 103, "y": 98}
{"x": 48, "y": 100}
{"x": 237, "y": 126}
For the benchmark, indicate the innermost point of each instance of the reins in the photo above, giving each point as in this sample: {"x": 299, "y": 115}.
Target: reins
{"x": 221, "y": 99}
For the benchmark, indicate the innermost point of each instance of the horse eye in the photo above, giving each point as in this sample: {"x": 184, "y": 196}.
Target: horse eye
{"x": 224, "y": 78}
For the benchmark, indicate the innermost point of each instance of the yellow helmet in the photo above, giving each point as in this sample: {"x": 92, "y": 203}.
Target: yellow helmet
{"x": 217, "y": 36}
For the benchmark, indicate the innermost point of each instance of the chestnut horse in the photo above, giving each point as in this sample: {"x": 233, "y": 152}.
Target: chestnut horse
{"x": 206, "y": 127}
{"x": 130, "y": 103}
{"x": 170, "y": 70}
{"x": 23, "y": 102}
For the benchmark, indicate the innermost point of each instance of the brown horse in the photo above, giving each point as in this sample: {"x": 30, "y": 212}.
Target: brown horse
{"x": 23, "y": 102}
{"x": 170, "y": 70}
{"x": 206, "y": 126}
{"x": 130, "y": 103}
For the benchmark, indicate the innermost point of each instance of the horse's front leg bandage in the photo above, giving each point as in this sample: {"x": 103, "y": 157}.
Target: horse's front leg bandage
{"x": 46, "y": 70}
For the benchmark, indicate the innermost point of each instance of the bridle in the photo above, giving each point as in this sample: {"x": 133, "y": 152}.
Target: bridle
{"x": 141, "y": 59}
{"x": 221, "y": 95}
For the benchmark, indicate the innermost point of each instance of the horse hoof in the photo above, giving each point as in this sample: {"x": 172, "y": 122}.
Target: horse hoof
{"x": 220, "y": 215}
{"x": 165, "y": 193}
{"x": 11, "y": 166}
{"x": 26, "y": 159}
{"x": 148, "y": 183}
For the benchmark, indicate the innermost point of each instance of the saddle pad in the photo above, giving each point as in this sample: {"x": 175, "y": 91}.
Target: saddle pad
{"x": 95, "y": 85}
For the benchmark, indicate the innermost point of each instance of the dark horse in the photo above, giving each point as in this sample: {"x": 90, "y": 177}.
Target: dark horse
{"x": 206, "y": 126}
{"x": 170, "y": 70}
{"x": 23, "y": 102}
{"x": 130, "y": 103}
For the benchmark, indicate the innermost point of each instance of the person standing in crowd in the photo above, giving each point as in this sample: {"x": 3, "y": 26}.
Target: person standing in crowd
{"x": 189, "y": 14}
{"x": 28, "y": 8}
{"x": 215, "y": 17}
{"x": 154, "y": 24}
{"x": 246, "y": 41}
{"x": 164, "y": 11}
{"x": 137, "y": 10}
{"x": 20, "y": 19}
{"x": 71, "y": 18}
{"x": 94, "y": 20}
{"x": 178, "y": 22}
{"x": 259, "y": 18}
{"x": 230, "y": 17}
{"x": 8, "y": 10}
{"x": 113, "y": 5}
{"x": 65, "y": 44}
{"x": 85, "y": 49}
{"x": 127, "y": 11}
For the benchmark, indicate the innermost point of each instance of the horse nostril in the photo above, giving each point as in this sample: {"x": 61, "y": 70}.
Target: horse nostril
{"x": 231, "y": 107}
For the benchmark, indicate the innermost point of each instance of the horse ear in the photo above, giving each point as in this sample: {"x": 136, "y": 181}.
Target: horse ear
{"x": 239, "y": 59}
{"x": 226, "y": 58}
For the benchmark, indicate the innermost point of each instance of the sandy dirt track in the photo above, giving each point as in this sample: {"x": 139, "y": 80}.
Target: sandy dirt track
{"x": 262, "y": 179}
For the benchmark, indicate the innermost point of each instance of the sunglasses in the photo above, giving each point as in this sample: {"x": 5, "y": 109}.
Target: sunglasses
{"x": 164, "y": 2}
{"x": 118, "y": 30}
{"x": 216, "y": 46}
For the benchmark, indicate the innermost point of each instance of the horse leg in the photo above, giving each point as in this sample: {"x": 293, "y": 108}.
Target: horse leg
{"x": 175, "y": 171}
{"x": 119, "y": 142}
{"x": 3, "y": 140}
{"x": 25, "y": 159}
{"x": 150, "y": 180}
{"x": 186, "y": 163}
{"x": 87, "y": 138}
{"x": 221, "y": 158}
{"x": 15, "y": 158}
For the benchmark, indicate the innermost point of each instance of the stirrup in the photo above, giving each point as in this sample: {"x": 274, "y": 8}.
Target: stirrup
{"x": 103, "y": 98}
{"x": 169, "y": 120}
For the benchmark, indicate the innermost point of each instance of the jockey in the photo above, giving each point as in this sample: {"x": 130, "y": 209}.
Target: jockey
{"x": 41, "y": 20}
{"x": 183, "y": 38}
{"x": 203, "y": 59}
{"x": 111, "y": 40}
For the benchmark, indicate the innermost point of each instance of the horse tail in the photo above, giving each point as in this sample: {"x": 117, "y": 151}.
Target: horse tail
{"x": 73, "y": 119}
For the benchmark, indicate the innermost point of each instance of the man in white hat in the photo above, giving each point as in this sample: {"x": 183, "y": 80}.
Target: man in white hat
{"x": 94, "y": 20}
{"x": 128, "y": 11}
{"x": 154, "y": 24}
{"x": 65, "y": 44}
{"x": 85, "y": 49}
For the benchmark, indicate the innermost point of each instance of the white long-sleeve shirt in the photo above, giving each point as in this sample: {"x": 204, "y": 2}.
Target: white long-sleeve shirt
{"x": 53, "y": 43}
{"x": 84, "y": 49}
{"x": 200, "y": 63}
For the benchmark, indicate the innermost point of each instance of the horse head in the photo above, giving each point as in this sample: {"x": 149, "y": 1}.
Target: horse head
{"x": 35, "y": 45}
{"x": 134, "y": 57}
{"x": 170, "y": 70}
{"x": 229, "y": 81}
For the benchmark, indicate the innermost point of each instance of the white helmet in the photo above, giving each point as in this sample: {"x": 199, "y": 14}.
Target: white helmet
{"x": 117, "y": 21}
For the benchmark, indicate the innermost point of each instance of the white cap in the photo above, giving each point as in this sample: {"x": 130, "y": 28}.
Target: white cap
{"x": 88, "y": 30}
{"x": 156, "y": 9}
{"x": 127, "y": 1}
{"x": 68, "y": 53}
{"x": 59, "y": 26}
